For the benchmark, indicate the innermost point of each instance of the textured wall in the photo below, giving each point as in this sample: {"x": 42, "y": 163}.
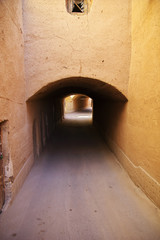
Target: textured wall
{"x": 59, "y": 45}
{"x": 16, "y": 117}
{"x": 144, "y": 89}
{"x": 132, "y": 129}
{"x": 12, "y": 86}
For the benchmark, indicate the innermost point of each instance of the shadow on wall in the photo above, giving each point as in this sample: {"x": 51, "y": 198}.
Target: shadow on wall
{"x": 43, "y": 117}
{"x": 110, "y": 118}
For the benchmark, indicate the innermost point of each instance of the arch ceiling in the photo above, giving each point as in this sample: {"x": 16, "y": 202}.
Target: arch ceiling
{"x": 91, "y": 87}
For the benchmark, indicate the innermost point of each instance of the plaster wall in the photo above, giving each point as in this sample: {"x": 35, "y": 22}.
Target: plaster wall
{"x": 16, "y": 117}
{"x": 12, "y": 89}
{"x": 81, "y": 102}
{"x": 132, "y": 129}
{"x": 59, "y": 45}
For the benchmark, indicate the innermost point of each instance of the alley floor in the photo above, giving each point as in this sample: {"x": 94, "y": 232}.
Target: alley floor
{"x": 77, "y": 190}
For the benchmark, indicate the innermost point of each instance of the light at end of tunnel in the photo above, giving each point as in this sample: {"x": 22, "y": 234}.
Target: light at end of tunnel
{"x": 72, "y": 96}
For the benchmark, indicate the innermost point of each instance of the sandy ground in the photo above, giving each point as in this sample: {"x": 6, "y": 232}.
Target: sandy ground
{"x": 78, "y": 191}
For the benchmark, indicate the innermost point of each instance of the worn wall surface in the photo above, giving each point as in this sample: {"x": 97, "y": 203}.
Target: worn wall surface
{"x": 19, "y": 121}
{"x": 144, "y": 92}
{"x": 132, "y": 129}
{"x": 60, "y": 45}
{"x": 12, "y": 90}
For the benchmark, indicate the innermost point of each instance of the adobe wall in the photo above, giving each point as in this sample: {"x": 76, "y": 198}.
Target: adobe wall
{"x": 132, "y": 129}
{"x": 77, "y": 102}
{"x": 59, "y": 45}
{"x": 12, "y": 94}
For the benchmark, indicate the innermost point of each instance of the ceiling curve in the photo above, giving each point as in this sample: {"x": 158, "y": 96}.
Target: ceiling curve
{"x": 91, "y": 87}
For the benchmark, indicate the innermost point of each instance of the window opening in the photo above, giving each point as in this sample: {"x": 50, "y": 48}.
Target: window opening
{"x": 75, "y": 7}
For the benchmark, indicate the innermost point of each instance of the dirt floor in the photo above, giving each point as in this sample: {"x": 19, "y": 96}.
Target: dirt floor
{"x": 78, "y": 191}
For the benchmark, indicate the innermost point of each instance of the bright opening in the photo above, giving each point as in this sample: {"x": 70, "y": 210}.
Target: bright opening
{"x": 78, "y": 107}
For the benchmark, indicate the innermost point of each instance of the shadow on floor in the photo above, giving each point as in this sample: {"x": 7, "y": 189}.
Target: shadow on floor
{"x": 78, "y": 191}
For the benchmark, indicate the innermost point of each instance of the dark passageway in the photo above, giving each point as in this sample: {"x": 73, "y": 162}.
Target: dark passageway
{"x": 78, "y": 191}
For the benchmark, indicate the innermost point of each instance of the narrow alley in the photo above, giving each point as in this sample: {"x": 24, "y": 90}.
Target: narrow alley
{"x": 77, "y": 190}
{"x": 80, "y": 120}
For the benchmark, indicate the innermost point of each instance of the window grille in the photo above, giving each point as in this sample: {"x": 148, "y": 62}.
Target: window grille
{"x": 77, "y": 7}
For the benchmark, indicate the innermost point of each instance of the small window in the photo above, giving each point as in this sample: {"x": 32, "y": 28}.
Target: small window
{"x": 77, "y": 7}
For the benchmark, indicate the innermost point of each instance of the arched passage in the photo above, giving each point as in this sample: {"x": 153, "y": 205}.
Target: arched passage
{"x": 46, "y": 109}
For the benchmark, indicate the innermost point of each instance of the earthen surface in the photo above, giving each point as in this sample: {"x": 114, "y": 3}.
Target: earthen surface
{"x": 59, "y": 45}
{"x": 77, "y": 190}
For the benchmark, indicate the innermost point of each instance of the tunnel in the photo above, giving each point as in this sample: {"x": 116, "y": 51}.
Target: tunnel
{"x": 47, "y": 105}
{"x": 77, "y": 189}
